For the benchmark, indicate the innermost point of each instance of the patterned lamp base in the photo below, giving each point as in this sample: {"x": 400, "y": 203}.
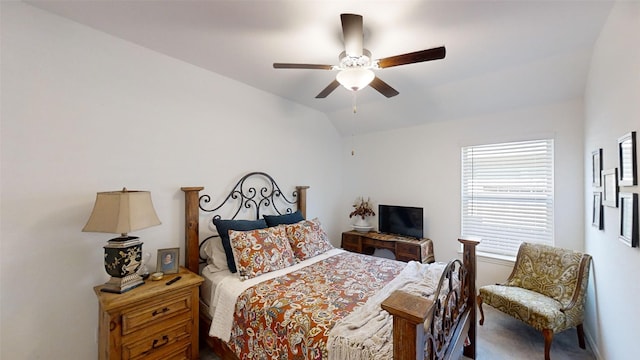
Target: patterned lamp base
{"x": 124, "y": 284}
{"x": 122, "y": 257}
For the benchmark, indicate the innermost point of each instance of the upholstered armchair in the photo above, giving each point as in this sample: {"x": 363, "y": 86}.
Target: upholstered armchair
{"x": 546, "y": 290}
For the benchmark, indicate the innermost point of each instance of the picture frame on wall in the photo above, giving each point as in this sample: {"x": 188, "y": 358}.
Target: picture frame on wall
{"x": 597, "y": 216}
{"x": 628, "y": 230}
{"x": 610, "y": 187}
{"x": 168, "y": 260}
{"x": 596, "y": 167}
{"x": 628, "y": 163}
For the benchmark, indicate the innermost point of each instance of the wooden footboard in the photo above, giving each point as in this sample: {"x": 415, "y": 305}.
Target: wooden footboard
{"x": 450, "y": 319}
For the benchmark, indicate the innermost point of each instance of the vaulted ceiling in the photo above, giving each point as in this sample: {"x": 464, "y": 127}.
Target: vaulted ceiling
{"x": 500, "y": 54}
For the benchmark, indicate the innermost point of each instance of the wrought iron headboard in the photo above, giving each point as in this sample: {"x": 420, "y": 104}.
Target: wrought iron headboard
{"x": 255, "y": 191}
{"x": 247, "y": 196}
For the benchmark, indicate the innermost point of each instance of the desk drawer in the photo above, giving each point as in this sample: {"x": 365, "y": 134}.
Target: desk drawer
{"x": 379, "y": 244}
{"x": 155, "y": 312}
{"x": 351, "y": 242}
{"x": 407, "y": 251}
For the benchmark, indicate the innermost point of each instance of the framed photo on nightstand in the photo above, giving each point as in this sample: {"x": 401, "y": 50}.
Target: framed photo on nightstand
{"x": 168, "y": 260}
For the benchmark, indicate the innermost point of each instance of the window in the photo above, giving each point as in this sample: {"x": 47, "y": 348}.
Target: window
{"x": 507, "y": 195}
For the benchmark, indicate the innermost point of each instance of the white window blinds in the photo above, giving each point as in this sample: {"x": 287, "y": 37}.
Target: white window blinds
{"x": 507, "y": 195}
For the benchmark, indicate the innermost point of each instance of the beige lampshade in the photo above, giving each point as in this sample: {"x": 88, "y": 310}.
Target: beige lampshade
{"x": 121, "y": 212}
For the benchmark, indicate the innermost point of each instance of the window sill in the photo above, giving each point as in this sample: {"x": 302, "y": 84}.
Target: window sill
{"x": 495, "y": 258}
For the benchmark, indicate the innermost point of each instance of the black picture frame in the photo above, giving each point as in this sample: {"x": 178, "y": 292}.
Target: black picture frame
{"x": 610, "y": 187}
{"x": 168, "y": 260}
{"x": 597, "y": 215}
{"x": 628, "y": 229}
{"x": 628, "y": 164}
{"x": 596, "y": 168}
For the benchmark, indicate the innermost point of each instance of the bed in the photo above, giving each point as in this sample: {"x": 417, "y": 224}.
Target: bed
{"x": 293, "y": 295}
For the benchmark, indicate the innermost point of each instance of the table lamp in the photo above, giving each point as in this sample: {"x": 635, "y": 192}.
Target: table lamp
{"x": 121, "y": 212}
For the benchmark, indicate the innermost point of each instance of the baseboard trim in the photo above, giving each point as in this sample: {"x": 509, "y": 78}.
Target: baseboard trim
{"x": 591, "y": 343}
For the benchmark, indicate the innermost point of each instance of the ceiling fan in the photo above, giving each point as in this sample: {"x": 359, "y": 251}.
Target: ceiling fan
{"x": 355, "y": 63}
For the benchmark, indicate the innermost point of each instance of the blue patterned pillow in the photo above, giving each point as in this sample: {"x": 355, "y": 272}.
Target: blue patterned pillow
{"x": 223, "y": 227}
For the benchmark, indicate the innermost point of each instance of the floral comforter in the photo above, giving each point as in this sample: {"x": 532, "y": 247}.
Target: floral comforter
{"x": 290, "y": 317}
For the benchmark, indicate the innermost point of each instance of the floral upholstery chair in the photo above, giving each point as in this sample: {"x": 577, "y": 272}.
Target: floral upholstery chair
{"x": 546, "y": 290}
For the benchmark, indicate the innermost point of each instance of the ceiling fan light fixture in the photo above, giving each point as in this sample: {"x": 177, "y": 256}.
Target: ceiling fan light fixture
{"x": 355, "y": 79}
{"x": 356, "y": 66}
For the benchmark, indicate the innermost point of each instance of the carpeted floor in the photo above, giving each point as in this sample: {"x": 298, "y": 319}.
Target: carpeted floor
{"x": 502, "y": 337}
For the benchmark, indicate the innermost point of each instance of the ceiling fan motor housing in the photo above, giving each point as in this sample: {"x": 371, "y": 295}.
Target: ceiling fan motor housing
{"x": 349, "y": 62}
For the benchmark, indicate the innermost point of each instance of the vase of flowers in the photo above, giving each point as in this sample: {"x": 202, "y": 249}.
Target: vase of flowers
{"x": 362, "y": 209}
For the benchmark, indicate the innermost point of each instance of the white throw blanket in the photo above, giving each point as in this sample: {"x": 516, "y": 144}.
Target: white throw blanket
{"x": 366, "y": 333}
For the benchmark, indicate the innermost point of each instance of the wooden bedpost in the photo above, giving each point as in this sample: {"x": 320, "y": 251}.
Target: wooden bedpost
{"x": 192, "y": 228}
{"x": 469, "y": 261}
{"x": 302, "y": 200}
{"x": 409, "y": 313}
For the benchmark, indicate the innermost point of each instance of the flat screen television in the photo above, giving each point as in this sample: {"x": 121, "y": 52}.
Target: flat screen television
{"x": 401, "y": 220}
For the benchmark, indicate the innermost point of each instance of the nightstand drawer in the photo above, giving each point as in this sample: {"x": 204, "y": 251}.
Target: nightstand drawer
{"x": 160, "y": 345}
{"x": 155, "y": 312}
{"x": 183, "y": 353}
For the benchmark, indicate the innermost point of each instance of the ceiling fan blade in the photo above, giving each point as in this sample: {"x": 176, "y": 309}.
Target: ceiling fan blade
{"x": 383, "y": 88}
{"x": 328, "y": 90}
{"x": 353, "y": 34}
{"x": 413, "y": 57}
{"x": 302, "y": 66}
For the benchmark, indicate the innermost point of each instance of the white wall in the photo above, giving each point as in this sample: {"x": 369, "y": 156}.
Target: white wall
{"x": 84, "y": 112}
{"x": 612, "y": 109}
{"x": 420, "y": 166}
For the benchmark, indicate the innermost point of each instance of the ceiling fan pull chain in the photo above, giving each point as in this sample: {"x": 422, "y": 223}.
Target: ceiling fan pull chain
{"x": 355, "y": 106}
{"x": 353, "y": 148}
{"x": 353, "y": 124}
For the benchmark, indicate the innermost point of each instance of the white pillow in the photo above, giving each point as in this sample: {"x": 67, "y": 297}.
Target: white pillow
{"x": 216, "y": 257}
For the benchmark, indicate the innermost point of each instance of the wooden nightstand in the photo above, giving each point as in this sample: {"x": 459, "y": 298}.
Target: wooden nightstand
{"x": 152, "y": 321}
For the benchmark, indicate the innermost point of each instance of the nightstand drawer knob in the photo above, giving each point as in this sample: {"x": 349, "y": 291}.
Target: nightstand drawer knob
{"x": 157, "y": 344}
{"x": 158, "y": 312}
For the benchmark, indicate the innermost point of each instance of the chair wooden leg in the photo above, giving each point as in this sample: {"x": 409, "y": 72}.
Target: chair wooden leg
{"x": 581, "y": 336}
{"x": 548, "y": 338}
{"x": 479, "y": 301}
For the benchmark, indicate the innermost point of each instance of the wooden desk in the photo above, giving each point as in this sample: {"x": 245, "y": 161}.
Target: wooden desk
{"x": 404, "y": 248}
